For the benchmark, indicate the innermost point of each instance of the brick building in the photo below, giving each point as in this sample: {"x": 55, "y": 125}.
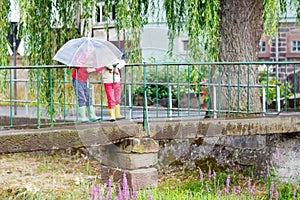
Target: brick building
{"x": 284, "y": 48}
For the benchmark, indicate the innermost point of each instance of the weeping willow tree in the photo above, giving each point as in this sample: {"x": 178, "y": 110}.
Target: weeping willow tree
{"x": 45, "y": 26}
{"x": 4, "y": 30}
{"x": 227, "y": 31}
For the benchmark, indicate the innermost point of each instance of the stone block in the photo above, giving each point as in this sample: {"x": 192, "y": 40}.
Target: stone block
{"x": 128, "y": 160}
{"x": 134, "y": 145}
{"x": 137, "y": 179}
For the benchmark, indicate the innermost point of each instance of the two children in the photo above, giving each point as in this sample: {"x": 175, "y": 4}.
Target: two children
{"x": 111, "y": 79}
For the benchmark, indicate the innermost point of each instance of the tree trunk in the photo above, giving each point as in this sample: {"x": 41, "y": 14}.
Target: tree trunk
{"x": 241, "y": 27}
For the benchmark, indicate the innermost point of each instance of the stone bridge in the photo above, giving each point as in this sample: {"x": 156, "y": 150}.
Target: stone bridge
{"x": 125, "y": 147}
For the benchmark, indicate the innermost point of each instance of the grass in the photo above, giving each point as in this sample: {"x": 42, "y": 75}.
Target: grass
{"x": 72, "y": 175}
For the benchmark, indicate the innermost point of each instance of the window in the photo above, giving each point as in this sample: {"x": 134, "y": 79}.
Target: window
{"x": 100, "y": 15}
{"x": 295, "y": 46}
{"x": 262, "y": 47}
{"x": 185, "y": 45}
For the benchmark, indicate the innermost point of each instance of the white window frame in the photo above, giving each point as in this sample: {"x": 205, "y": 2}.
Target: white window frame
{"x": 102, "y": 19}
{"x": 295, "y": 46}
{"x": 262, "y": 47}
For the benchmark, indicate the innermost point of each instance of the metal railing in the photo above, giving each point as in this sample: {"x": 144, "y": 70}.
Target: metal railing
{"x": 153, "y": 91}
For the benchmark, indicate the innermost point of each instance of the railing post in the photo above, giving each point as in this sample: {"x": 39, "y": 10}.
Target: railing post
{"x": 145, "y": 110}
{"x": 264, "y": 100}
{"x": 26, "y": 99}
{"x": 278, "y": 97}
{"x": 129, "y": 101}
{"x": 215, "y": 101}
{"x": 93, "y": 94}
{"x": 170, "y": 101}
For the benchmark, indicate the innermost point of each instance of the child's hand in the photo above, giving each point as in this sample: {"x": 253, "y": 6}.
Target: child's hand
{"x": 89, "y": 70}
{"x": 116, "y": 71}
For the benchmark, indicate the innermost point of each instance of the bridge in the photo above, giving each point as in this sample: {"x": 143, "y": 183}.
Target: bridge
{"x": 169, "y": 133}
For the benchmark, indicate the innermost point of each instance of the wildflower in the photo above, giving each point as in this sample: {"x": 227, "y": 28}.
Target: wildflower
{"x": 120, "y": 196}
{"x": 295, "y": 192}
{"x": 149, "y": 196}
{"x": 99, "y": 191}
{"x": 109, "y": 194}
{"x": 215, "y": 179}
{"x": 249, "y": 185}
{"x": 233, "y": 190}
{"x": 134, "y": 193}
{"x": 201, "y": 175}
{"x": 276, "y": 195}
{"x": 219, "y": 192}
{"x": 253, "y": 191}
{"x": 93, "y": 192}
{"x": 125, "y": 187}
{"x": 207, "y": 189}
{"x": 239, "y": 189}
{"x": 271, "y": 190}
{"x": 225, "y": 190}
{"x": 228, "y": 181}
{"x": 209, "y": 175}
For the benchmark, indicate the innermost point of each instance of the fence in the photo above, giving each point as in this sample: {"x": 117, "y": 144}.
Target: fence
{"x": 44, "y": 96}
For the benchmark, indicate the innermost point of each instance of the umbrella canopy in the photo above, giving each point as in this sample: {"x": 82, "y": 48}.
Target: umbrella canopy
{"x": 88, "y": 52}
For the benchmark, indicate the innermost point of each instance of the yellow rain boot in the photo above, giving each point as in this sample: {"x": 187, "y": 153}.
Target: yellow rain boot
{"x": 82, "y": 113}
{"x": 92, "y": 116}
{"x": 112, "y": 115}
{"x": 118, "y": 113}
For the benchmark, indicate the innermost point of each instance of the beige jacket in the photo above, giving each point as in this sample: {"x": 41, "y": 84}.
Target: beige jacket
{"x": 111, "y": 74}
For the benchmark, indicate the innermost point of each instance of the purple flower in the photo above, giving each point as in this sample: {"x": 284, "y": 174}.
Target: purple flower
{"x": 209, "y": 175}
{"x": 295, "y": 192}
{"x": 93, "y": 192}
{"x": 207, "y": 189}
{"x": 276, "y": 195}
{"x": 253, "y": 191}
{"x": 215, "y": 179}
{"x": 219, "y": 192}
{"x": 249, "y": 185}
{"x": 271, "y": 190}
{"x": 149, "y": 196}
{"x": 225, "y": 190}
{"x": 239, "y": 189}
{"x": 201, "y": 175}
{"x": 228, "y": 181}
{"x": 233, "y": 190}
{"x": 109, "y": 194}
{"x": 120, "y": 196}
{"x": 134, "y": 192}
{"x": 99, "y": 191}
{"x": 125, "y": 187}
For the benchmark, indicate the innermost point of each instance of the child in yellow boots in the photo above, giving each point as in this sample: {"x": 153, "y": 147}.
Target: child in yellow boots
{"x": 111, "y": 78}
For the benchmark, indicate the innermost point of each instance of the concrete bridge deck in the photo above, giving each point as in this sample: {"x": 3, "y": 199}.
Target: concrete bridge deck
{"x": 103, "y": 133}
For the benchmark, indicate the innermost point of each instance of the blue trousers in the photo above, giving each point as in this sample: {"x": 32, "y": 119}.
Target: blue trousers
{"x": 82, "y": 93}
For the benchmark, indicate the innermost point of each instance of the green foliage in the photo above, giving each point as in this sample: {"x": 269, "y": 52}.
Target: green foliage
{"x": 42, "y": 39}
{"x": 157, "y": 80}
{"x": 270, "y": 83}
{"x": 4, "y": 29}
{"x": 201, "y": 21}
